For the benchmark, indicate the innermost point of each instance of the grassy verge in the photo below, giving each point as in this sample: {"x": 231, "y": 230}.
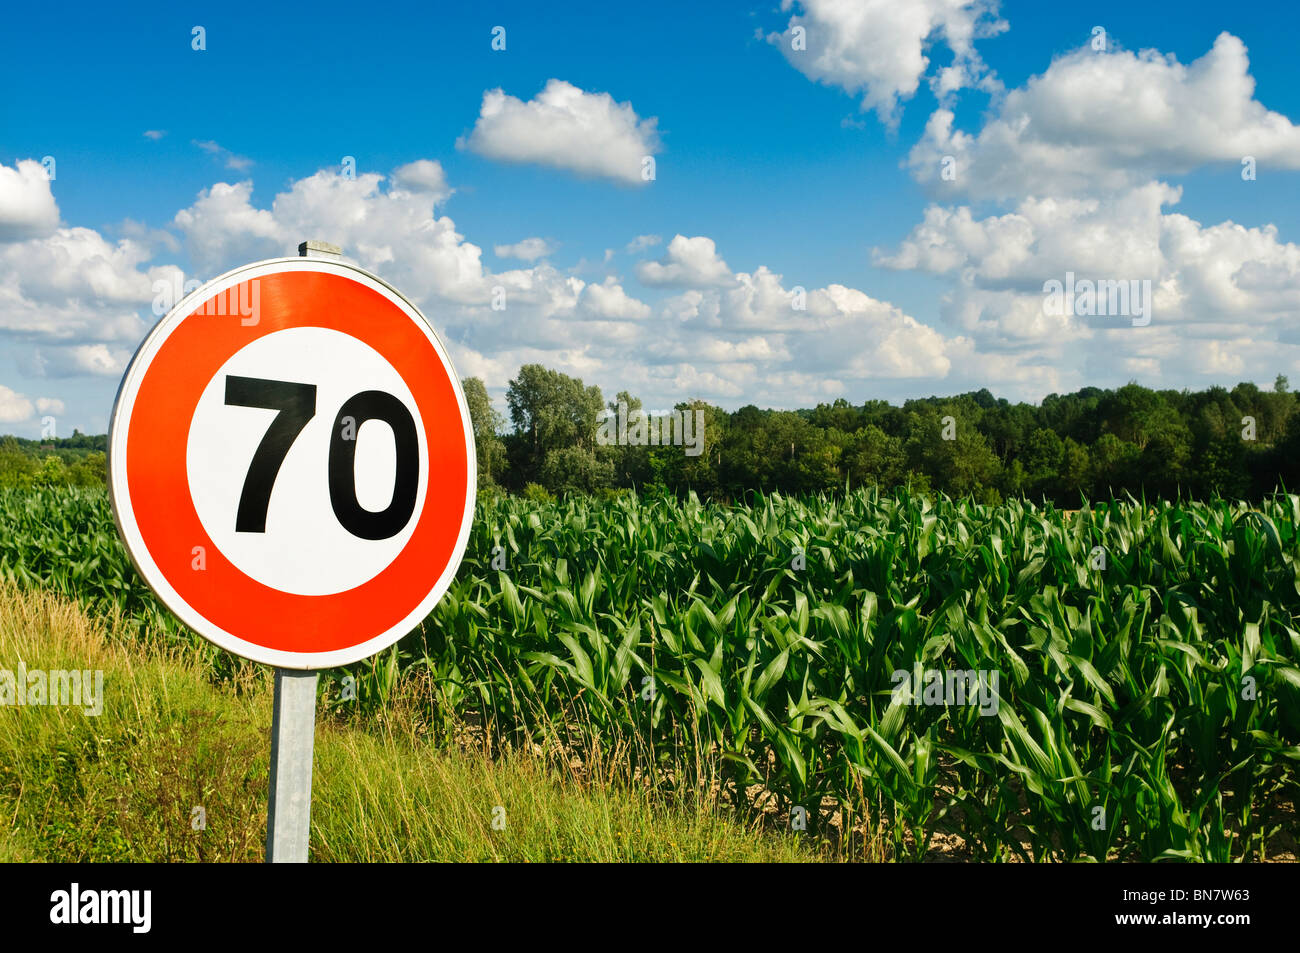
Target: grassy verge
{"x": 175, "y": 768}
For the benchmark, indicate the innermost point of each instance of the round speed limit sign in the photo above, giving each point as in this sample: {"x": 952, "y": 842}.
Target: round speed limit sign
{"x": 291, "y": 463}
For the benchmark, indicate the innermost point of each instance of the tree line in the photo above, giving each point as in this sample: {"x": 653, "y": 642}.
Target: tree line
{"x": 79, "y": 460}
{"x": 1094, "y": 443}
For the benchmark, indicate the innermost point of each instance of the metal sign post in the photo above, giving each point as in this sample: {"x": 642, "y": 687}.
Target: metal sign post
{"x": 293, "y": 734}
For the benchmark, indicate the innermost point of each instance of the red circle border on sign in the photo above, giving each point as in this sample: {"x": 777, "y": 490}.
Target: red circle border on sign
{"x": 158, "y": 482}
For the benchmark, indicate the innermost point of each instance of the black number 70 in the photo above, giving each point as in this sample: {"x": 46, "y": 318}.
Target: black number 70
{"x": 296, "y": 404}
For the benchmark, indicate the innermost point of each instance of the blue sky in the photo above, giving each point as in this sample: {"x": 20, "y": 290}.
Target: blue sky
{"x": 766, "y": 153}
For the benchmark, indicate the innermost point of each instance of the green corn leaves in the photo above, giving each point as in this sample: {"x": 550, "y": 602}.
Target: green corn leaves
{"x": 822, "y": 651}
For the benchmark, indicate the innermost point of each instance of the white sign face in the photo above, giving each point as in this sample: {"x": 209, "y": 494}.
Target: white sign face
{"x": 295, "y": 479}
{"x": 299, "y": 551}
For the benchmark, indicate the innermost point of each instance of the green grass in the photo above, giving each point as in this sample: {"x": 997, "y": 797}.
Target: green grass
{"x": 123, "y": 786}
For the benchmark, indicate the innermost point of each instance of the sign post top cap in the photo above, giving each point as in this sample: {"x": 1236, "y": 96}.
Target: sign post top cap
{"x": 319, "y": 249}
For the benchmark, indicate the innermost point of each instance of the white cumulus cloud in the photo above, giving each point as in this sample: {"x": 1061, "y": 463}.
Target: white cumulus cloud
{"x": 687, "y": 262}
{"x": 609, "y": 300}
{"x": 14, "y": 407}
{"x": 423, "y": 175}
{"x": 1222, "y": 295}
{"x": 566, "y": 128}
{"x": 27, "y": 207}
{"x": 878, "y": 47}
{"x": 1109, "y": 121}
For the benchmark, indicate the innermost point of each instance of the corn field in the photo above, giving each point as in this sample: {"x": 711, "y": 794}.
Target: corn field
{"x": 1145, "y": 659}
